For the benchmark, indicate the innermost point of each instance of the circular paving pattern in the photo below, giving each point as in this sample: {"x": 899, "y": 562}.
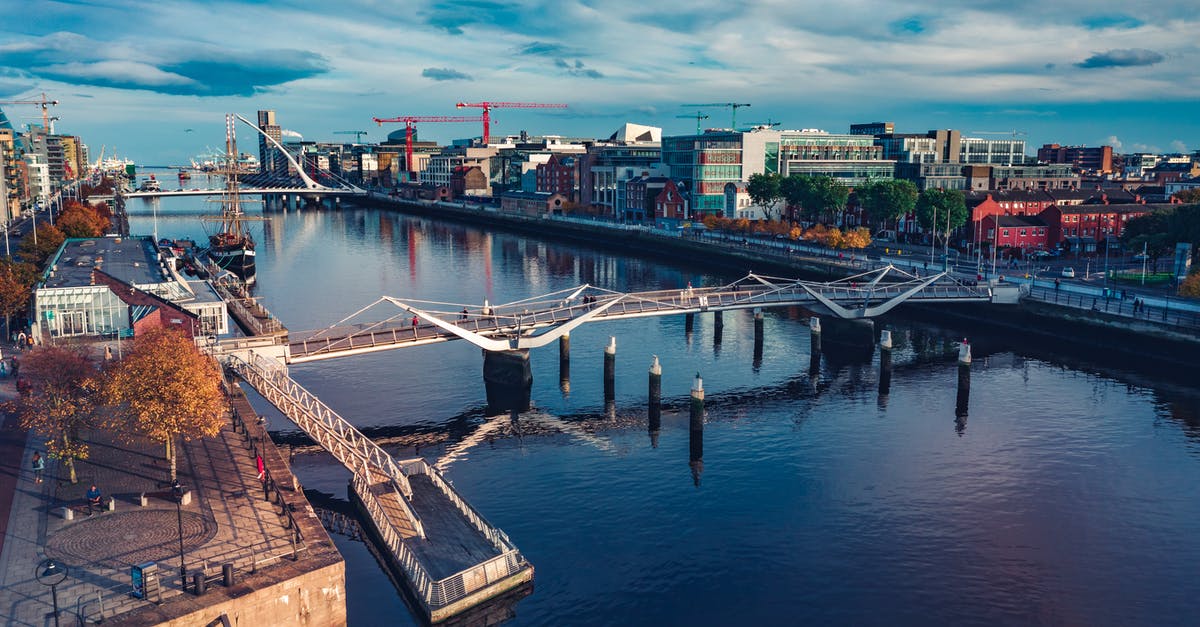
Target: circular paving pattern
{"x": 119, "y": 539}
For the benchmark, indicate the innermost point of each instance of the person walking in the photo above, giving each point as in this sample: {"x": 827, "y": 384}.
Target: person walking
{"x": 39, "y": 466}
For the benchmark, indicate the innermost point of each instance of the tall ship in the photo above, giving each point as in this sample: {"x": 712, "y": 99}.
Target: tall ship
{"x": 231, "y": 246}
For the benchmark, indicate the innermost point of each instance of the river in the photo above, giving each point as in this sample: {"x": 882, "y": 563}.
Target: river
{"x": 1067, "y": 495}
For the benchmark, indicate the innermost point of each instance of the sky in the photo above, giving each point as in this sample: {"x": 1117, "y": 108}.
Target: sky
{"x": 152, "y": 80}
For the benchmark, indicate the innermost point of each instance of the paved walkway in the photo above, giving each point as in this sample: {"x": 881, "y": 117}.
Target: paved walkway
{"x": 227, "y": 521}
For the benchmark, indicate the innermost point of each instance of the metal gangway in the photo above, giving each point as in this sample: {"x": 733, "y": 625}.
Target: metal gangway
{"x": 460, "y": 561}
{"x": 515, "y": 325}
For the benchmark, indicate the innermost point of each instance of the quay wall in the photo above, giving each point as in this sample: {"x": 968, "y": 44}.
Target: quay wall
{"x": 1107, "y": 334}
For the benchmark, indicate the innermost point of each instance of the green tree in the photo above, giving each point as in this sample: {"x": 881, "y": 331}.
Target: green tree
{"x": 58, "y": 400}
{"x": 830, "y": 195}
{"x": 764, "y": 191}
{"x": 887, "y": 199}
{"x": 167, "y": 390}
{"x": 940, "y": 211}
{"x": 796, "y": 193}
{"x": 1152, "y": 233}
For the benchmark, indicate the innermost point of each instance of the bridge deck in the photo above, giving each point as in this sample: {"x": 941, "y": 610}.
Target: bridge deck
{"x": 452, "y": 544}
{"x": 508, "y": 320}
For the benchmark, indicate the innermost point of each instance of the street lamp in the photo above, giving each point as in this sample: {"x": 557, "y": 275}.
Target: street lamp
{"x": 177, "y": 491}
{"x": 50, "y": 573}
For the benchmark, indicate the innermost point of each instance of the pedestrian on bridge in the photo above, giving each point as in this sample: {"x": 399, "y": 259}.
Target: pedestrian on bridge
{"x": 465, "y": 314}
{"x": 415, "y": 321}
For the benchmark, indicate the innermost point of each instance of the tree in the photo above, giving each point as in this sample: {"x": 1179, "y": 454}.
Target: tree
{"x": 940, "y": 211}
{"x": 58, "y": 400}
{"x": 795, "y": 191}
{"x": 764, "y": 191}
{"x": 49, "y": 238}
{"x": 1190, "y": 285}
{"x": 829, "y": 195}
{"x": 1188, "y": 196}
{"x": 167, "y": 390}
{"x": 79, "y": 220}
{"x": 887, "y": 199}
{"x": 15, "y": 290}
{"x": 1153, "y": 233}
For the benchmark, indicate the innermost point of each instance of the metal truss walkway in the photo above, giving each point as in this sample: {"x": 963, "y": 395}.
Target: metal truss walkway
{"x": 537, "y": 321}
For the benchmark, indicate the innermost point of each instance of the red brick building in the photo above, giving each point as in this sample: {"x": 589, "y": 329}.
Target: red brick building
{"x": 559, "y": 175}
{"x": 1095, "y": 159}
{"x": 1023, "y": 232}
{"x": 670, "y": 204}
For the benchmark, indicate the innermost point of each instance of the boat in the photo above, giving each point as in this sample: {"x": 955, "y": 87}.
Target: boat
{"x": 150, "y": 185}
{"x": 184, "y": 175}
{"x": 231, "y": 247}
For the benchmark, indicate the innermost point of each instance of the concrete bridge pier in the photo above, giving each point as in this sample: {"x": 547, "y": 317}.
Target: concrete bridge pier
{"x": 814, "y": 346}
{"x": 507, "y": 379}
{"x": 689, "y": 323}
{"x": 758, "y": 339}
{"x": 655, "y": 403}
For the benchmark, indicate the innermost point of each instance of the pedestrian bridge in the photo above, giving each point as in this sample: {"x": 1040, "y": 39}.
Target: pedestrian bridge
{"x": 540, "y": 320}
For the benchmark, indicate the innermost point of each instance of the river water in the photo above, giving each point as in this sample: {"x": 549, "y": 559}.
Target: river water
{"x": 1067, "y": 496}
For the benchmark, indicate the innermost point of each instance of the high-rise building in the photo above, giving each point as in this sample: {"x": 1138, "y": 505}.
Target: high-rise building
{"x": 269, "y": 159}
{"x": 873, "y": 128}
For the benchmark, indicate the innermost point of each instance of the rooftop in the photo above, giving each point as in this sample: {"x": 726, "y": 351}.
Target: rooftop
{"x": 132, "y": 260}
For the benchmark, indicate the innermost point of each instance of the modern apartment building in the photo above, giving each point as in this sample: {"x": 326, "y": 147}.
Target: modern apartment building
{"x": 1098, "y": 159}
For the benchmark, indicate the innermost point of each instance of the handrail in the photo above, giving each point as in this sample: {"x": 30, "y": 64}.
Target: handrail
{"x": 408, "y": 561}
{"x": 322, "y": 423}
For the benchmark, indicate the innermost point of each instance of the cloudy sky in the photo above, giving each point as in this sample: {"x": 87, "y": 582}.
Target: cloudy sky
{"x": 135, "y": 76}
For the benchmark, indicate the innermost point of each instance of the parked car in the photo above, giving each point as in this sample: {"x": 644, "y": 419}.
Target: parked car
{"x": 1044, "y": 254}
{"x": 1141, "y": 257}
{"x": 1068, "y": 273}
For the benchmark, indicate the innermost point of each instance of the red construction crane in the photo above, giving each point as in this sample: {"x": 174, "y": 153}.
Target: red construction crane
{"x": 410, "y": 120}
{"x": 488, "y": 106}
{"x": 45, "y": 104}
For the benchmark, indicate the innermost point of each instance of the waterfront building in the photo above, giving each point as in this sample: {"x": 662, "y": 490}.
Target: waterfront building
{"x": 39, "y": 177}
{"x": 442, "y": 165}
{"x": 641, "y": 196}
{"x": 632, "y": 151}
{"x": 468, "y": 180}
{"x": 269, "y": 159}
{"x": 71, "y": 299}
{"x": 14, "y": 187}
{"x": 1021, "y": 176}
{"x": 1023, "y": 232}
{"x": 1097, "y": 159}
{"x": 532, "y": 203}
{"x": 559, "y": 175}
{"x": 670, "y": 206}
{"x": 991, "y": 151}
{"x": 738, "y": 204}
{"x": 709, "y": 161}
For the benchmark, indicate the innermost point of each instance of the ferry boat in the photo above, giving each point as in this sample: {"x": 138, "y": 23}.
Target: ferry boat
{"x": 150, "y": 185}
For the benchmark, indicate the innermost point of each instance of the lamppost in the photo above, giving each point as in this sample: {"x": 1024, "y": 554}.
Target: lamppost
{"x": 177, "y": 491}
{"x": 50, "y": 573}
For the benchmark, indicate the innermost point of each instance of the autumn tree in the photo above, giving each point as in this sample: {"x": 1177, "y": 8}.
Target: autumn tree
{"x": 166, "y": 390}
{"x": 1189, "y": 196}
{"x": 887, "y": 199}
{"x": 37, "y": 250}
{"x": 16, "y": 285}
{"x": 58, "y": 400}
{"x": 79, "y": 220}
{"x": 1190, "y": 285}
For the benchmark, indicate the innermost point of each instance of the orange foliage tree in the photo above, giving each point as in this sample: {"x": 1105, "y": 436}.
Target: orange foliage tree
{"x": 80, "y": 220}
{"x": 1191, "y": 285}
{"x": 58, "y": 400}
{"x": 49, "y": 238}
{"x": 167, "y": 390}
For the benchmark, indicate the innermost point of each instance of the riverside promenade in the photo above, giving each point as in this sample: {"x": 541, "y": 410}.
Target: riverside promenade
{"x": 285, "y": 569}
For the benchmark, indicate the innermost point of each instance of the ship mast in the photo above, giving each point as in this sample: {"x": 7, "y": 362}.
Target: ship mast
{"x": 232, "y": 219}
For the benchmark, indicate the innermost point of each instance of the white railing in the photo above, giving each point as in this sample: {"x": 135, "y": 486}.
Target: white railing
{"x": 408, "y": 562}
{"x": 498, "y": 538}
{"x": 322, "y": 424}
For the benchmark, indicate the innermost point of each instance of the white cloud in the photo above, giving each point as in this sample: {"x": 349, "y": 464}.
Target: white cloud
{"x": 1114, "y": 142}
{"x": 1178, "y": 146}
{"x": 118, "y": 72}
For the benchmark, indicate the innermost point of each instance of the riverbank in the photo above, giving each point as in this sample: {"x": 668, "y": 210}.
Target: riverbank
{"x": 282, "y": 567}
{"x": 1071, "y": 313}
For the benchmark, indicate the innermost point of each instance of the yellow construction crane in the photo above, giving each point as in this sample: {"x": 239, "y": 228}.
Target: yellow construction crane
{"x": 43, "y": 103}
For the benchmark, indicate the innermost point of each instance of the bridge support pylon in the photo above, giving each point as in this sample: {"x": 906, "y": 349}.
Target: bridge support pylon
{"x": 507, "y": 380}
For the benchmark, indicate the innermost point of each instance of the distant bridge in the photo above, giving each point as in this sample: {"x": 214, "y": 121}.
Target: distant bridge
{"x": 540, "y": 320}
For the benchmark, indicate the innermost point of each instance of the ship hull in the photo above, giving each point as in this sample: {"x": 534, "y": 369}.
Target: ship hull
{"x": 236, "y": 259}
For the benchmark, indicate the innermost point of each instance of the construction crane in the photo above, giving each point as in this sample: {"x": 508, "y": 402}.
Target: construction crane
{"x": 43, "y": 103}
{"x": 410, "y": 120}
{"x": 1014, "y": 133}
{"x": 732, "y": 105}
{"x": 358, "y": 135}
{"x": 699, "y": 116}
{"x": 488, "y": 106}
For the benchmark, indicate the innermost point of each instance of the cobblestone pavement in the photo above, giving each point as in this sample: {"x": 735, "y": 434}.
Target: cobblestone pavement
{"x": 227, "y": 521}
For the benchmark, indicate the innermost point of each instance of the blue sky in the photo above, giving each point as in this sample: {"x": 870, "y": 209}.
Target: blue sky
{"x": 135, "y": 76}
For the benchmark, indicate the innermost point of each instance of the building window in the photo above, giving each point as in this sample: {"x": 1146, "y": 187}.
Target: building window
{"x": 1004, "y": 232}
{"x": 1022, "y": 232}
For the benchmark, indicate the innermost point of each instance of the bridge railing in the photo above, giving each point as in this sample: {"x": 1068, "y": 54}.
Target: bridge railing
{"x": 494, "y": 535}
{"x": 412, "y": 567}
{"x": 321, "y": 423}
